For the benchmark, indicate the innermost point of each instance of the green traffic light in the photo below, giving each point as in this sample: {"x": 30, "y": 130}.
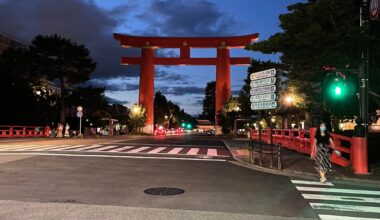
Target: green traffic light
{"x": 188, "y": 126}
{"x": 183, "y": 125}
{"x": 338, "y": 91}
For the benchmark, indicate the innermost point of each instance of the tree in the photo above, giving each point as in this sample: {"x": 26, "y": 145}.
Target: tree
{"x": 209, "y": 102}
{"x": 63, "y": 60}
{"x": 228, "y": 114}
{"x": 137, "y": 117}
{"x": 322, "y": 33}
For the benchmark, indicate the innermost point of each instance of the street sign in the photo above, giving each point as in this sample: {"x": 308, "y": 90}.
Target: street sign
{"x": 263, "y": 97}
{"x": 263, "y": 74}
{"x": 263, "y": 90}
{"x": 79, "y": 114}
{"x": 79, "y": 108}
{"x": 263, "y": 105}
{"x": 263, "y": 82}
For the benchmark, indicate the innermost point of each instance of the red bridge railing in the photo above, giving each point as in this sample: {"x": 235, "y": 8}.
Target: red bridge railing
{"x": 23, "y": 131}
{"x": 302, "y": 140}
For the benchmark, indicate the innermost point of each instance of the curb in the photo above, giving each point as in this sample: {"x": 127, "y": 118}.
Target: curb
{"x": 300, "y": 174}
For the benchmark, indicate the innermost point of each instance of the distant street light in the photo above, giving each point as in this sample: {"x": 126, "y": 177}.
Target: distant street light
{"x": 166, "y": 117}
{"x": 289, "y": 100}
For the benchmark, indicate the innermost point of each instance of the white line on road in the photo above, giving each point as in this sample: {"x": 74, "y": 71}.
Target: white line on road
{"x": 62, "y": 147}
{"x": 137, "y": 150}
{"x": 193, "y": 151}
{"x": 341, "y": 198}
{"x": 114, "y": 156}
{"x": 88, "y": 147}
{"x": 156, "y": 150}
{"x": 121, "y": 149}
{"x": 337, "y": 217}
{"x": 175, "y": 150}
{"x": 305, "y": 182}
{"x": 104, "y": 148}
{"x": 168, "y": 145}
{"x": 21, "y": 147}
{"x": 212, "y": 152}
{"x": 345, "y": 208}
{"x": 337, "y": 190}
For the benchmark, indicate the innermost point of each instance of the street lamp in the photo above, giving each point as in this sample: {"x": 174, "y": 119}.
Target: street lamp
{"x": 135, "y": 109}
{"x": 289, "y": 99}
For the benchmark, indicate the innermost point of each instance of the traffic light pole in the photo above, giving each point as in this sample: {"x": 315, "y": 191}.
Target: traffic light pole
{"x": 364, "y": 70}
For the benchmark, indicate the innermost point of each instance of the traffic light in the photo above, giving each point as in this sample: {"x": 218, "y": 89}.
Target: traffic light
{"x": 189, "y": 126}
{"x": 338, "y": 89}
{"x": 183, "y": 124}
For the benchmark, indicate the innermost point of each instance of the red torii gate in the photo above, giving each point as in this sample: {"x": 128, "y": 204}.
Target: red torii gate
{"x": 148, "y": 60}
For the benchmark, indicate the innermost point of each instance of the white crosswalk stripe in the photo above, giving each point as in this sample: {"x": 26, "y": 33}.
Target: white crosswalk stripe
{"x": 116, "y": 148}
{"x": 325, "y": 198}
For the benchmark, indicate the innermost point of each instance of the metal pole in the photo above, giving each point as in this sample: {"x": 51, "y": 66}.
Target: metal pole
{"x": 80, "y": 126}
{"x": 260, "y": 144}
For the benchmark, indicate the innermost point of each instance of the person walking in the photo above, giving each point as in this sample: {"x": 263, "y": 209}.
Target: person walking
{"x": 320, "y": 151}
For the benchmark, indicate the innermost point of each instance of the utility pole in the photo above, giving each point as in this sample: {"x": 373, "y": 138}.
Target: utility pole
{"x": 364, "y": 68}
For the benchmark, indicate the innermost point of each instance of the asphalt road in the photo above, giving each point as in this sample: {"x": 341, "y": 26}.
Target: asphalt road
{"x": 86, "y": 186}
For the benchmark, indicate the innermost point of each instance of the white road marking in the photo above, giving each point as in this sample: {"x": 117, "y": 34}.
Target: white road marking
{"x": 113, "y": 156}
{"x": 156, "y": 150}
{"x": 89, "y": 147}
{"x": 337, "y": 190}
{"x": 121, "y": 149}
{"x": 104, "y": 148}
{"x": 62, "y": 147}
{"x": 337, "y": 217}
{"x": 165, "y": 145}
{"x": 341, "y": 198}
{"x": 137, "y": 150}
{"x": 175, "y": 150}
{"x": 193, "y": 151}
{"x": 212, "y": 152}
{"x": 345, "y": 208}
{"x": 15, "y": 147}
{"x": 305, "y": 182}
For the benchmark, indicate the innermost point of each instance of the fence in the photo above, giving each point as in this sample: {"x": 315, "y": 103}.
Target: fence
{"x": 23, "y": 131}
{"x": 353, "y": 149}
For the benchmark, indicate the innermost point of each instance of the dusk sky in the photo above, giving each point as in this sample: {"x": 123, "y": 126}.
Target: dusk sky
{"x": 92, "y": 23}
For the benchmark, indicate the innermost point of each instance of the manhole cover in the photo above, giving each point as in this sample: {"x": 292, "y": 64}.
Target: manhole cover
{"x": 164, "y": 191}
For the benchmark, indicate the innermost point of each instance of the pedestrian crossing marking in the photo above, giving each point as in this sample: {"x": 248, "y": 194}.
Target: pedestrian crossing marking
{"x": 89, "y": 147}
{"x": 121, "y": 149}
{"x": 105, "y": 148}
{"x": 45, "y": 147}
{"x": 137, "y": 150}
{"x": 341, "y": 198}
{"x": 193, "y": 151}
{"x": 175, "y": 150}
{"x": 337, "y": 217}
{"x": 212, "y": 152}
{"x": 346, "y": 208}
{"x": 157, "y": 150}
{"x": 305, "y": 182}
{"x": 338, "y": 190}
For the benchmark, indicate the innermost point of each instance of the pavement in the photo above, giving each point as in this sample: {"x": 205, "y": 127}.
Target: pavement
{"x": 295, "y": 163}
{"x": 39, "y": 183}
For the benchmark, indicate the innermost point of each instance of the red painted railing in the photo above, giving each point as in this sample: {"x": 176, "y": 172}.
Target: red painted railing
{"x": 23, "y": 131}
{"x": 300, "y": 141}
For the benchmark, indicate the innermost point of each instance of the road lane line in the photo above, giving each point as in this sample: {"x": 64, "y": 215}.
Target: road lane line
{"x": 62, "y": 147}
{"x": 175, "y": 150}
{"x": 103, "y": 148}
{"x": 337, "y": 217}
{"x": 193, "y": 151}
{"x": 212, "y": 152}
{"x": 341, "y": 198}
{"x": 121, "y": 149}
{"x": 156, "y": 150}
{"x": 345, "y": 208}
{"x": 337, "y": 190}
{"x": 305, "y": 182}
{"x": 22, "y": 147}
{"x": 137, "y": 150}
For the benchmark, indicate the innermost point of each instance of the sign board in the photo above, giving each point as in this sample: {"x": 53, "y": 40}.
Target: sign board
{"x": 263, "y": 105}
{"x": 263, "y": 90}
{"x": 263, "y": 82}
{"x": 79, "y": 114}
{"x": 263, "y": 97}
{"x": 263, "y": 74}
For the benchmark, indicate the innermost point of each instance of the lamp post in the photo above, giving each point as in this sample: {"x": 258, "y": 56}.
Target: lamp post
{"x": 79, "y": 115}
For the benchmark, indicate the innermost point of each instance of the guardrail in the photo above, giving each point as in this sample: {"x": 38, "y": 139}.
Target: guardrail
{"x": 23, "y": 131}
{"x": 354, "y": 150}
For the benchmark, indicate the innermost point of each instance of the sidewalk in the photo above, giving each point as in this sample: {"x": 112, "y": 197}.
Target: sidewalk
{"x": 295, "y": 164}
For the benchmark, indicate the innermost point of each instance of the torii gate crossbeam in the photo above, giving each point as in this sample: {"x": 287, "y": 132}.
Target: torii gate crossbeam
{"x": 148, "y": 60}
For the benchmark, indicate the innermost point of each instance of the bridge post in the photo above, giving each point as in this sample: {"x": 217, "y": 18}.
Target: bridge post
{"x": 146, "y": 92}
{"x": 223, "y": 82}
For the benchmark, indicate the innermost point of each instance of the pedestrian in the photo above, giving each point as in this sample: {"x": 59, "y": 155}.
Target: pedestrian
{"x": 320, "y": 151}
{"x": 60, "y": 130}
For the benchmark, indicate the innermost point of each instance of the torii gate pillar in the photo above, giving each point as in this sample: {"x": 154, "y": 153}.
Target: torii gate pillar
{"x": 148, "y": 60}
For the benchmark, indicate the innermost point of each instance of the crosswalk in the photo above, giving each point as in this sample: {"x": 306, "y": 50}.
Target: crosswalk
{"x": 125, "y": 149}
{"x": 341, "y": 202}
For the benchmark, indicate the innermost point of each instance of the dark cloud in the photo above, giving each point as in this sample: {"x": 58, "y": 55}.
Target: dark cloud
{"x": 115, "y": 85}
{"x": 181, "y": 90}
{"x": 188, "y": 18}
{"x": 170, "y": 77}
{"x": 81, "y": 21}
{"x": 116, "y": 101}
